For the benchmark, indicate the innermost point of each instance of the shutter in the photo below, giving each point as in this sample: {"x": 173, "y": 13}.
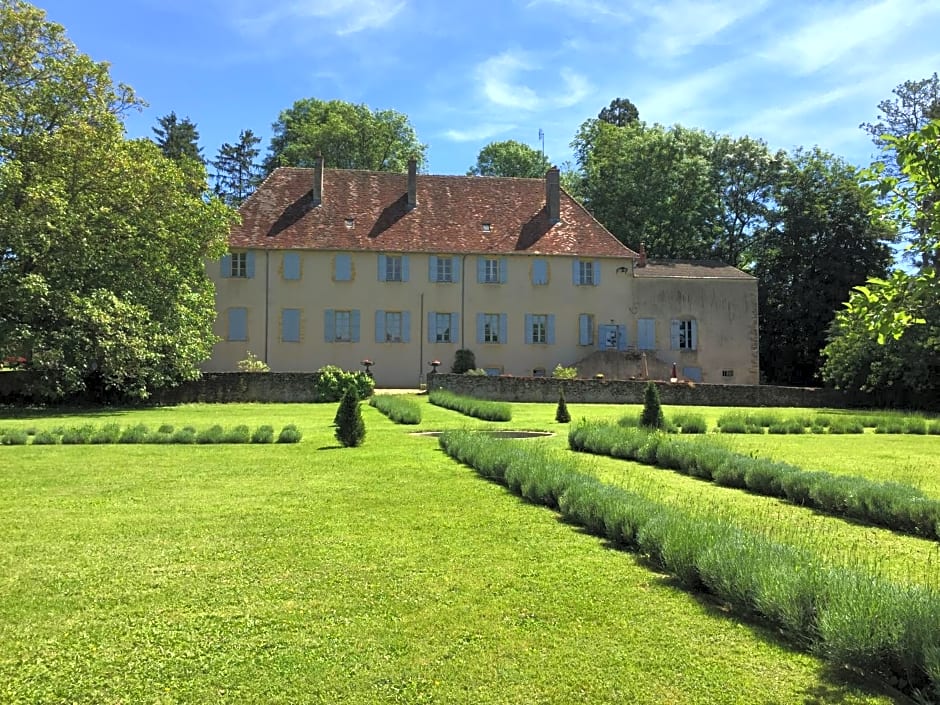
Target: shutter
{"x": 674, "y": 335}
{"x": 693, "y": 374}
{"x": 502, "y": 270}
{"x": 406, "y": 326}
{"x": 380, "y": 326}
{"x": 481, "y": 270}
{"x": 382, "y": 269}
{"x": 539, "y": 272}
{"x": 621, "y": 338}
{"x": 481, "y": 321}
{"x": 354, "y": 325}
{"x": 342, "y": 268}
{"x": 694, "y": 335}
{"x": 329, "y": 326}
{"x": 576, "y": 272}
{"x": 432, "y": 334}
{"x": 432, "y": 268}
{"x": 226, "y": 266}
{"x": 503, "y": 328}
{"x": 404, "y": 268}
{"x": 584, "y": 329}
{"x": 550, "y": 329}
{"x": 454, "y": 321}
{"x": 646, "y": 334}
{"x": 528, "y": 329}
{"x": 291, "y": 265}
{"x": 250, "y": 265}
{"x": 455, "y": 269}
{"x": 237, "y": 324}
{"x": 597, "y": 272}
{"x": 290, "y": 325}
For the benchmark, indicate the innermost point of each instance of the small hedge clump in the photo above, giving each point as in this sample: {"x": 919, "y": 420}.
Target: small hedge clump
{"x": 183, "y": 436}
{"x": 239, "y": 434}
{"x": 213, "y": 434}
{"x": 77, "y": 435}
{"x": 14, "y": 437}
{"x": 45, "y": 438}
{"x": 290, "y": 434}
{"x": 139, "y": 433}
{"x": 135, "y": 434}
{"x": 400, "y": 409}
{"x": 477, "y": 408}
{"x": 107, "y": 434}
{"x": 562, "y": 414}
{"x": 688, "y": 422}
{"x": 263, "y": 434}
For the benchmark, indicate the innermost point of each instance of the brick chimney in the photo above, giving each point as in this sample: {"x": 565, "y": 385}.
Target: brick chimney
{"x": 317, "y": 180}
{"x": 412, "y": 183}
{"x": 642, "y": 261}
{"x": 553, "y": 195}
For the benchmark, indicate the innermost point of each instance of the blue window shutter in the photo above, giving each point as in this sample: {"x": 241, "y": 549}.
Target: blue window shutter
{"x": 621, "y": 338}
{"x": 481, "y": 270}
{"x": 237, "y": 324}
{"x": 584, "y": 329}
{"x": 695, "y": 336}
{"x": 481, "y": 319}
{"x": 455, "y": 269}
{"x": 576, "y": 272}
{"x": 550, "y": 329}
{"x": 380, "y": 326}
{"x": 693, "y": 374}
{"x": 226, "y": 266}
{"x": 406, "y": 326}
{"x": 250, "y": 265}
{"x": 674, "y": 335}
{"x": 503, "y": 328}
{"x": 528, "y": 328}
{"x": 539, "y": 272}
{"x": 646, "y": 334}
{"x": 354, "y": 325}
{"x": 454, "y": 323}
{"x": 381, "y": 268}
{"x": 432, "y": 334}
{"x": 404, "y": 268}
{"x": 502, "y": 270}
{"x": 597, "y": 272}
{"x": 329, "y": 326}
{"x": 432, "y": 268}
{"x": 290, "y": 325}
{"x": 291, "y": 265}
{"x": 342, "y": 268}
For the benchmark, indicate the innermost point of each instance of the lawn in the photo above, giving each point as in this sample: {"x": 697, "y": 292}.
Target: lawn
{"x": 388, "y": 573}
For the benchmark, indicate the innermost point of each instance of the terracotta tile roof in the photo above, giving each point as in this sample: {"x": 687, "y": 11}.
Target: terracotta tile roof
{"x": 449, "y": 217}
{"x": 690, "y": 269}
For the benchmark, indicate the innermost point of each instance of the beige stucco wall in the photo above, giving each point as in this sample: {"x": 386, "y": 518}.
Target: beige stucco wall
{"x": 404, "y": 364}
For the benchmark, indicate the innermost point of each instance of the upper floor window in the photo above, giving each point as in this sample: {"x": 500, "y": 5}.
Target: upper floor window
{"x": 442, "y": 327}
{"x": 491, "y": 271}
{"x": 341, "y": 326}
{"x": 393, "y": 268}
{"x": 684, "y": 334}
{"x": 240, "y": 265}
{"x": 491, "y": 327}
{"x": 445, "y": 269}
{"x": 586, "y": 273}
{"x": 540, "y": 328}
{"x": 342, "y": 330}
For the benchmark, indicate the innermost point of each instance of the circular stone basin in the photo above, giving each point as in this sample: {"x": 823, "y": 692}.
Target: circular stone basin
{"x": 494, "y": 434}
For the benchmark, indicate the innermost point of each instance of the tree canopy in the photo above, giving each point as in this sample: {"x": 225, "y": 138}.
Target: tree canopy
{"x": 347, "y": 135}
{"x": 103, "y": 240}
{"x": 621, "y": 112}
{"x": 178, "y": 138}
{"x": 237, "y": 172}
{"x": 510, "y": 158}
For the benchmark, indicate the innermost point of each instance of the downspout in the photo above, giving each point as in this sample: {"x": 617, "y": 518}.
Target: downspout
{"x": 463, "y": 299}
{"x": 421, "y": 340}
{"x": 267, "y": 300}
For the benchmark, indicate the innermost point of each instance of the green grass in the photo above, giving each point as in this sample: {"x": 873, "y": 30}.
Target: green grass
{"x": 388, "y": 573}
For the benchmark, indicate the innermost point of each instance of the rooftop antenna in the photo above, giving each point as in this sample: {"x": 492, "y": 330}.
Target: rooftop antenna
{"x": 542, "y": 140}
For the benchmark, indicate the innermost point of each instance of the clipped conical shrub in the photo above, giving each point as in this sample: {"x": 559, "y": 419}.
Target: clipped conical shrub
{"x": 350, "y": 428}
{"x": 561, "y": 411}
{"x": 652, "y": 416}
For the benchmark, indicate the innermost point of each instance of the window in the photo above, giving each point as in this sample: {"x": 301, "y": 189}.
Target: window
{"x": 684, "y": 335}
{"x": 493, "y": 371}
{"x": 491, "y": 327}
{"x": 290, "y": 325}
{"x": 350, "y": 223}
{"x": 342, "y": 268}
{"x": 540, "y": 328}
{"x": 239, "y": 265}
{"x": 442, "y": 327}
{"x": 586, "y": 329}
{"x": 539, "y": 272}
{"x": 491, "y": 270}
{"x": 727, "y": 373}
{"x": 291, "y": 268}
{"x": 587, "y": 272}
{"x": 392, "y": 326}
{"x": 487, "y": 227}
{"x": 341, "y": 326}
{"x": 393, "y": 268}
{"x": 443, "y": 269}
{"x": 237, "y": 324}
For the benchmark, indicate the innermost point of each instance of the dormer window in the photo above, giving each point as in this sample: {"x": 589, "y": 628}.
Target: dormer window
{"x": 350, "y": 223}
{"x": 487, "y": 227}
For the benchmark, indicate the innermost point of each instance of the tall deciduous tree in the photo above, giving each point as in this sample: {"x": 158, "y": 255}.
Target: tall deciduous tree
{"x": 237, "y": 172}
{"x": 102, "y": 276}
{"x": 178, "y": 138}
{"x": 349, "y": 136}
{"x": 820, "y": 241}
{"x": 510, "y": 158}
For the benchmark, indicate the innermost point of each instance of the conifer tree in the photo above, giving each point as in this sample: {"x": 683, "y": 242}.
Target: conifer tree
{"x": 652, "y": 416}
{"x": 237, "y": 172}
{"x": 178, "y": 138}
{"x": 561, "y": 412}
{"x": 350, "y": 428}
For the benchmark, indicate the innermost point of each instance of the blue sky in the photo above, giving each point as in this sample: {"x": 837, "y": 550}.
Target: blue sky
{"x": 468, "y": 73}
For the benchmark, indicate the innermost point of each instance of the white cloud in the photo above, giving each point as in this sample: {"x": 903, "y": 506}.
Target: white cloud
{"x": 340, "y": 17}
{"x": 674, "y": 101}
{"x": 478, "y": 133}
{"x": 499, "y": 82}
{"x": 679, "y": 26}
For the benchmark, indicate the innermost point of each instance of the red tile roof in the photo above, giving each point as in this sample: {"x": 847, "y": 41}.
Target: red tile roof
{"x": 449, "y": 216}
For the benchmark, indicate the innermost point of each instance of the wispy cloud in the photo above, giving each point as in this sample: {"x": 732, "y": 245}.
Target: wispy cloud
{"x": 340, "y": 17}
{"x": 677, "y": 100}
{"x": 677, "y": 27}
{"x": 478, "y": 133}
{"x": 499, "y": 81}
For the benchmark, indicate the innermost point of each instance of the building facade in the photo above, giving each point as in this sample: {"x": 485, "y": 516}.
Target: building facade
{"x": 339, "y": 266}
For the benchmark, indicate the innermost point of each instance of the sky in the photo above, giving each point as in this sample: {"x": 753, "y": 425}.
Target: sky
{"x": 468, "y": 73}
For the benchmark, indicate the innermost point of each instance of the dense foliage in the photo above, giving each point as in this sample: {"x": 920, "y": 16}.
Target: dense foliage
{"x": 510, "y": 158}
{"x": 350, "y": 428}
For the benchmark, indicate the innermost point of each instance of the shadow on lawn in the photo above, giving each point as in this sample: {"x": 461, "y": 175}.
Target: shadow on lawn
{"x": 11, "y": 413}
